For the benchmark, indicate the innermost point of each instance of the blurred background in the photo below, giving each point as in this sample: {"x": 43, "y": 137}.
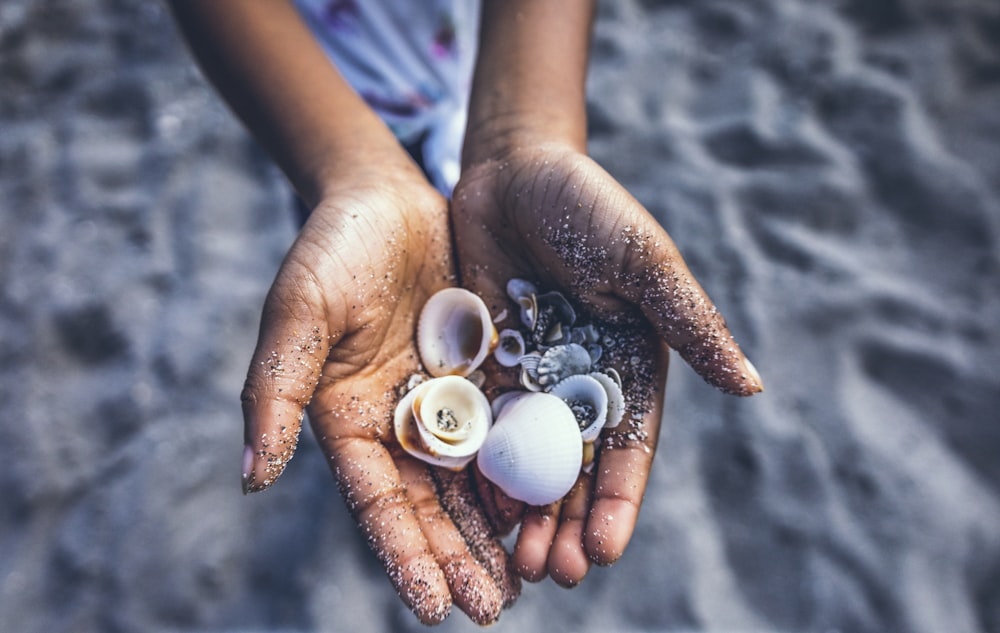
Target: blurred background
{"x": 829, "y": 168}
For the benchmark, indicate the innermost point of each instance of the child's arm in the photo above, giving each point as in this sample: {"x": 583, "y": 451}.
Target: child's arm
{"x": 337, "y": 327}
{"x": 532, "y": 204}
{"x": 274, "y": 75}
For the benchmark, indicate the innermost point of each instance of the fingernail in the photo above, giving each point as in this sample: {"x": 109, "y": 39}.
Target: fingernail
{"x": 247, "y": 467}
{"x": 754, "y": 374}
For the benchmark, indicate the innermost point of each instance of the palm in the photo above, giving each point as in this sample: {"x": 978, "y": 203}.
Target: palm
{"x": 337, "y": 333}
{"x": 553, "y": 216}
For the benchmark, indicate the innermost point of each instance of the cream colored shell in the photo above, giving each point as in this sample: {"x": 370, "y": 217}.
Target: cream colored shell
{"x": 455, "y": 333}
{"x": 443, "y": 421}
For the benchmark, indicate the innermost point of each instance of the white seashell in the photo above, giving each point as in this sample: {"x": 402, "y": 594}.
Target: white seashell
{"x": 510, "y": 348}
{"x": 588, "y": 400}
{"x": 455, "y": 333}
{"x": 529, "y": 362}
{"x": 558, "y": 363}
{"x": 503, "y": 400}
{"x": 443, "y": 421}
{"x": 534, "y": 451}
{"x": 616, "y": 399}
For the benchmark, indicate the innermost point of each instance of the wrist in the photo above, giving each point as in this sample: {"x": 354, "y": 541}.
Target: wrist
{"x": 529, "y": 82}
{"x": 502, "y": 135}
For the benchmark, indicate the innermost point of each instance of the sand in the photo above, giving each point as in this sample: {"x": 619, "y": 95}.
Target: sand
{"x": 831, "y": 171}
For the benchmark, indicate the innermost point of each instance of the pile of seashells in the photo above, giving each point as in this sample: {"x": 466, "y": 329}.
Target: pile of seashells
{"x": 532, "y": 442}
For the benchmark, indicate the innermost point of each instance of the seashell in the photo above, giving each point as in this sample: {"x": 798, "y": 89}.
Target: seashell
{"x": 455, "y": 333}
{"x": 529, "y": 381}
{"x": 533, "y": 452}
{"x": 587, "y": 398}
{"x": 611, "y": 371}
{"x": 558, "y": 363}
{"x": 503, "y": 400}
{"x": 443, "y": 421}
{"x": 529, "y": 311}
{"x": 529, "y": 362}
{"x": 585, "y": 334}
{"x": 518, "y": 289}
{"x": 510, "y": 348}
{"x": 616, "y": 398}
{"x": 561, "y": 309}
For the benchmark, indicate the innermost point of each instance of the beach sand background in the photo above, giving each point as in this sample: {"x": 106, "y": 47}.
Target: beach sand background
{"x": 831, "y": 171}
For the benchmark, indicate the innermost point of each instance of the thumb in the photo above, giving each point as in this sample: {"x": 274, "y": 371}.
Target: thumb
{"x": 659, "y": 282}
{"x": 291, "y": 348}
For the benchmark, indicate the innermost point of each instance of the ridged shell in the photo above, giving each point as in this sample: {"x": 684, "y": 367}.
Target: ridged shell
{"x": 510, "y": 348}
{"x": 616, "y": 399}
{"x": 534, "y": 451}
{"x": 455, "y": 333}
{"x": 443, "y": 421}
{"x": 586, "y": 397}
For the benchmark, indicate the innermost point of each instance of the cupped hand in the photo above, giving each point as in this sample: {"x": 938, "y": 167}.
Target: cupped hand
{"x": 337, "y": 336}
{"x": 551, "y": 215}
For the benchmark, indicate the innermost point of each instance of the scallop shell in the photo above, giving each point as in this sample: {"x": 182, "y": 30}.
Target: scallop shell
{"x": 443, "y": 421}
{"x": 455, "y": 333}
{"x": 587, "y": 397}
{"x": 561, "y": 362}
{"x": 510, "y": 348}
{"x": 533, "y": 452}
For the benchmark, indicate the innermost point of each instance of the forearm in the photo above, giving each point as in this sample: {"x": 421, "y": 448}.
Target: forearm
{"x": 276, "y": 78}
{"x": 530, "y": 77}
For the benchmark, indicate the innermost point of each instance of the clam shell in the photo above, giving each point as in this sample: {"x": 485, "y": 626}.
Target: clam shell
{"x": 587, "y": 398}
{"x": 455, "y": 333}
{"x": 443, "y": 421}
{"x": 534, "y": 451}
{"x": 510, "y": 348}
{"x": 561, "y": 362}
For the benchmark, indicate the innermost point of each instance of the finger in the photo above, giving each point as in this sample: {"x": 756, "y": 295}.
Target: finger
{"x": 291, "y": 348}
{"x": 459, "y": 500}
{"x": 375, "y": 493}
{"x": 472, "y": 587}
{"x": 655, "y": 278}
{"x": 534, "y": 540}
{"x": 567, "y": 562}
{"x": 622, "y": 472}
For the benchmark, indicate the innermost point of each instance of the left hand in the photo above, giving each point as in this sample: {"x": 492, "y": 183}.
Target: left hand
{"x": 551, "y": 215}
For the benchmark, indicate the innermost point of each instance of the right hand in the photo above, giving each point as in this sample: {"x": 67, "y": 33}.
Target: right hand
{"x": 337, "y": 334}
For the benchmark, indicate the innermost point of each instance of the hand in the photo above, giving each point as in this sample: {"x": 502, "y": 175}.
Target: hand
{"x": 337, "y": 335}
{"x": 551, "y": 215}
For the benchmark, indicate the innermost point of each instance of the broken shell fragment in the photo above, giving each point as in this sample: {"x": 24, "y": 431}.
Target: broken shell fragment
{"x": 534, "y": 451}
{"x": 518, "y": 289}
{"x": 443, "y": 421}
{"x": 455, "y": 333}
